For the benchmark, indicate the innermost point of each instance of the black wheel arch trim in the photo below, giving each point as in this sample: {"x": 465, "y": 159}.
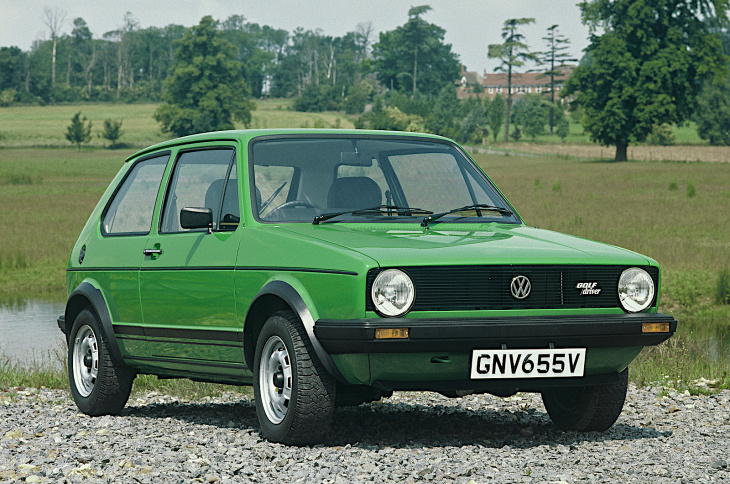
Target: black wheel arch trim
{"x": 290, "y": 296}
{"x": 94, "y": 297}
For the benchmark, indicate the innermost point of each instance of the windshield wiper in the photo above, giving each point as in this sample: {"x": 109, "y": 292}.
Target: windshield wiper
{"x": 389, "y": 209}
{"x": 476, "y": 208}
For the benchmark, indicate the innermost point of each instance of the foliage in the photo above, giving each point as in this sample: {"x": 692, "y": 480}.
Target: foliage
{"x": 661, "y": 134}
{"x": 495, "y": 113}
{"x": 205, "y": 91}
{"x": 556, "y": 54}
{"x": 512, "y": 53}
{"x": 722, "y": 288}
{"x": 713, "y": 113}
{"x": 443, "y": 117}
{"x": 390, "y": 118}
{"x": 8, "y": 96}
{"x": 473, "y": 124}
{"x": 112, "y": 131}
{"x": 647, "y": 66}
{"x": 315, "y": 99}
{"x": 79, "y": 131}
{"x": 414, "y": 58}
{"x": 532, "y": 112}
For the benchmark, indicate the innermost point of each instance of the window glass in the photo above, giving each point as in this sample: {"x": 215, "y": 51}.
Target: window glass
{"x": 130, "y": 212}
{"x": 296, "y": 180}
{"x": 198, "y": 181}
{"x": 273, "y": 184}
{"x": 374, "y": 172}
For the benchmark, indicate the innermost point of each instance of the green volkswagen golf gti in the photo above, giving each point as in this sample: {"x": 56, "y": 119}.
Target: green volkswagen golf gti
{"x": 331, "y": 268}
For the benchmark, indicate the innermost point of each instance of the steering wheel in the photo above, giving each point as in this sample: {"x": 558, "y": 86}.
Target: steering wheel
{"x": 286, "y": 205}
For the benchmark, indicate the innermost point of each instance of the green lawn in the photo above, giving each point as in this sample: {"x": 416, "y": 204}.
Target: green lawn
{"x": 45, "y": 126}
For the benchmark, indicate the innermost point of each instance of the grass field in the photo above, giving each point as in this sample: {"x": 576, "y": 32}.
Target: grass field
{"x": 45, "y": 126}
{"x": 675, "y": 212}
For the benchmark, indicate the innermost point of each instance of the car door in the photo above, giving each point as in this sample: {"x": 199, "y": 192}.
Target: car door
{"x": 124, "y": 229}
{"x": 186, "y": 275}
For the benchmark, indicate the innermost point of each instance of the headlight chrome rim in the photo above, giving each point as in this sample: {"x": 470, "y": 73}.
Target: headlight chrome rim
{"x": 391, "y": 281}
{"x": 636, "y": 289}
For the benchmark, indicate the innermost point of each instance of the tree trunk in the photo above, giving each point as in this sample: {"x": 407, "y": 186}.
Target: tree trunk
{"x": 621, "y": 146}
{"x": 53, "y": 63}
{"x": 506, "y": 118}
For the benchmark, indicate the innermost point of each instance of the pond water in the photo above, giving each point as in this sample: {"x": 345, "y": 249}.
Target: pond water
{"x": 29, "y": 332}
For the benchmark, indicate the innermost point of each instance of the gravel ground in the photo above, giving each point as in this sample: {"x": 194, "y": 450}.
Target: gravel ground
{"x": 662, "y": 436}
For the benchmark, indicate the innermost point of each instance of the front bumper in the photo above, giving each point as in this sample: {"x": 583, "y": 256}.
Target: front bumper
{"x": 437, "y": 354}
{"x": 466, "y": 334}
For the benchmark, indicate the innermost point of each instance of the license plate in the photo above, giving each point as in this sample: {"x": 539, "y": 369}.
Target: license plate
{"x": 547, "y": 363}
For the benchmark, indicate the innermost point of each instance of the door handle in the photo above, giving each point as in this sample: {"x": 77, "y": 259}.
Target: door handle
{"x": 152, "y": 251}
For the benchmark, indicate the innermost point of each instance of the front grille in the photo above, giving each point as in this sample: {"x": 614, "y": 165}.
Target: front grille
{"x": 444, "y": 288}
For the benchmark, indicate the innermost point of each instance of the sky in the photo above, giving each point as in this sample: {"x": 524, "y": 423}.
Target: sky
{"x": 470, "y": 24}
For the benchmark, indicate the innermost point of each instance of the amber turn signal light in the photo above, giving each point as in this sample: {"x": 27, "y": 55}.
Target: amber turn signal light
{"x": 391, "y": 333}
{"x": 655, "y": 327}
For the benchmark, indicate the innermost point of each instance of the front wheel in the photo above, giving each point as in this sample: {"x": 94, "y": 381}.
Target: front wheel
{"x": 589, "y": 408}
{"x": 294, "y": 393}
{"x": 98, "y": 386}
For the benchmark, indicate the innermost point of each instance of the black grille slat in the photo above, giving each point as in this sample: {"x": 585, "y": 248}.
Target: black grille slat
{"x": 443, "y": 288}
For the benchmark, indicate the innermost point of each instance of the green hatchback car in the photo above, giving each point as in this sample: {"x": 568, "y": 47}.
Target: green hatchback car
{"x": 333, "y": 267}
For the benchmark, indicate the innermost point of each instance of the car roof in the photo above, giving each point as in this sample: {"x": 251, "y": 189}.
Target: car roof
{"x": 247, "y": 134}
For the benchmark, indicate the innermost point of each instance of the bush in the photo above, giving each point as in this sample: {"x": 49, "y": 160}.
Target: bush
{"x": 112, "y": 132}
{"x": 722, "y": 288}
{"x": 661, "y": 134}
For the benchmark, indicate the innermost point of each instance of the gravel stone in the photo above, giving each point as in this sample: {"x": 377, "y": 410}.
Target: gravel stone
{"x": 661, "y": 436}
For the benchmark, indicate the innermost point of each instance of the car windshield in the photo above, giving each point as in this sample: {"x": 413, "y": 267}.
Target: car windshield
{"x": 369, "y": 179}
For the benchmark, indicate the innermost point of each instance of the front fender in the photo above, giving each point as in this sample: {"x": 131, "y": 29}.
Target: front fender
{"x": 295, "y": 299}
{"x": 84, "y": 295}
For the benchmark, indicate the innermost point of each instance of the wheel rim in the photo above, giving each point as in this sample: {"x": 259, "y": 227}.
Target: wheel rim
{"x": 85, "y": 360}
{"x": 275, "y": 379}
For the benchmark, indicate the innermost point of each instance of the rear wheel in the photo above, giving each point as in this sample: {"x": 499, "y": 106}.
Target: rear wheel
{"x": 294, "y": 393}
{"x": 98, "y": 386}
{"x": 589, "y": 408}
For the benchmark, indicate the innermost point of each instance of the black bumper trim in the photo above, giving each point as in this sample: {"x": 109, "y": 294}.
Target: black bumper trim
{"x": 466, "y": 334}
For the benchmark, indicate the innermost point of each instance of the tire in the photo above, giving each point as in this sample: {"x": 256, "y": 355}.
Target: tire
{"x": 294, "y": 394}
{"x": 589, "y": 408}
{"x": 98, "y": 386}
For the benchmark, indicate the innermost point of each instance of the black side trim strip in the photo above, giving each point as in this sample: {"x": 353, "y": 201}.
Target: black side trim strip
{"x": 188, "y": 362}
{"x": 167, "y": 341}
{"x": 222, "y": 268}
{"x": 176, "y": 333}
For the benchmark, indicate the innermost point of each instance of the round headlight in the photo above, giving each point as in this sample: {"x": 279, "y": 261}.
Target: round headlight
{"x": 393, "y": 293}
{"x": 635, "y": 289}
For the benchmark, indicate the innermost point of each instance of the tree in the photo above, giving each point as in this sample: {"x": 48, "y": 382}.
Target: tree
{"x": 556, "y": 54}
{"x": 414, "y": 58}
{"x": 647, "y": 67}
{"x": 79, "y": 131}
{"x": 495, "y": 113}
{"x": 531, "y": 113}
{"x": 713, "y": 113}
{"x": 112, "y": 131}
{"x": 54, "y": 18}
{"x": 513, "y": 53}
{"x": 205, "y": 90}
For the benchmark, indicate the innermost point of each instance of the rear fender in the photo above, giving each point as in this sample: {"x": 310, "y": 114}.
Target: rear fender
{"x": 87, "y": 294}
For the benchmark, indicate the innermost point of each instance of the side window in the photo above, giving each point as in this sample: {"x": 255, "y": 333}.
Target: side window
{"x": 199, "y": 180}
{"x": 130, "y": 211}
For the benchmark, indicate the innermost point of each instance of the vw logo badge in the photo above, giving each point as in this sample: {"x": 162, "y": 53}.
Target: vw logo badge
{"x": 520, "y": 287}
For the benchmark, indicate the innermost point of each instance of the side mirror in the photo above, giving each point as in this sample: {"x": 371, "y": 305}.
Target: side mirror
{"x": 196, "y": 218}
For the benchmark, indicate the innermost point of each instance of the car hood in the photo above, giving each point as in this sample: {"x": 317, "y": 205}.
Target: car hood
{"x": 446, "y": 244}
